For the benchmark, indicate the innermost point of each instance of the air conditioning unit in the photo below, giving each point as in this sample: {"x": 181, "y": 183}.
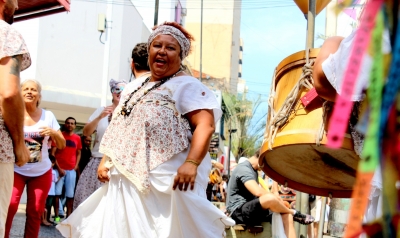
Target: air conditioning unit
{"x": 183, "y": 12}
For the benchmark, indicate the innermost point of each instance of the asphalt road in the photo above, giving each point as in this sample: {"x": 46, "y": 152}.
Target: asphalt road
{"x": 18, "y": 226}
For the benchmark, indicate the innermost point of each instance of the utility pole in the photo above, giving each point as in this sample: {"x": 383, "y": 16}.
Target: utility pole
{"x": 156, "y": 13}
{"x": 302, "y": 200}
{"x": 201, "y": 44}
{"x": 229, "y": 150}
{"x": 311, "y": 24}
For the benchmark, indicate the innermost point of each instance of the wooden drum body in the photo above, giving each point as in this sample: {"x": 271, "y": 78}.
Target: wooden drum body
{"x": 295, "y": 160}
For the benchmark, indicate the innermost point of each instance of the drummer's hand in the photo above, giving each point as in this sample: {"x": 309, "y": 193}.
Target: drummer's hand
{"x": 186, "y": 175}
{"x": 102, "y": 172}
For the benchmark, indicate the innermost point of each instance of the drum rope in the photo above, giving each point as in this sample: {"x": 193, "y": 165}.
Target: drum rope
{"x": 279, "y": 118}
{"x": 326, "y": 107}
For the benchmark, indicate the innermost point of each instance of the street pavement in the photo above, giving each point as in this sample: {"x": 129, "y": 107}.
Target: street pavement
{"x": 18, "y": 226}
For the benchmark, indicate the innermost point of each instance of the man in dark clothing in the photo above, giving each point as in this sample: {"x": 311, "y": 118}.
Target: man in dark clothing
{"x": 248, "y": 203}
{"x": 86, "y": 152}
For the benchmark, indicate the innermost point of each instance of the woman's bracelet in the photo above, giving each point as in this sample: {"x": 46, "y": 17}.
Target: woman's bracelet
{"x": 192, "y": 162}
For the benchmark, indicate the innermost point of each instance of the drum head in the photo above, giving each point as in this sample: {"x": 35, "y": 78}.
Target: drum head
{"x": 312, "y": 169}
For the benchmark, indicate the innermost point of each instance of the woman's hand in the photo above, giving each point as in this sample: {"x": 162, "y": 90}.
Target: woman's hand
{"x": 102, "y": 171}
{"x": 107, "y": 111}
{"x": 186, "y": 175}
{"x": 46, "y": 131}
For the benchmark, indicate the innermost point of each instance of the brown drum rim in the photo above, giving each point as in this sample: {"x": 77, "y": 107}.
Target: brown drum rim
{"x": 302, "y": 187}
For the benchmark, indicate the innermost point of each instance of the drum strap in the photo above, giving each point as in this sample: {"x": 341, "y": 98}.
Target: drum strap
{"x": 279, "y": 119}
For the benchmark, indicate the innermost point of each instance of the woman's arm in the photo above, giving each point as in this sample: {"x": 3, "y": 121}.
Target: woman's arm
{"x": 321, "y": 83}
{"x": 102, "y": 171}
{"x": 90, "y": 127}
{"x": 12, "y": 105}
{"x": 203, "y": 126}
{"x": 56, "y": 136}
{"x": 221, "y": 190}
{"x": 59, "y": 140}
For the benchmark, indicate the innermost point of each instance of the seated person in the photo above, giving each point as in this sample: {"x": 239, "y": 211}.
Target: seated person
{"x": 222, "y": 187}
{"x": 250, "y": 204}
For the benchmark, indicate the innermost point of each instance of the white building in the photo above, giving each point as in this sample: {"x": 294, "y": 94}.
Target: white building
{"x": 168, "y": 10}
{"x": 74, "y": 62}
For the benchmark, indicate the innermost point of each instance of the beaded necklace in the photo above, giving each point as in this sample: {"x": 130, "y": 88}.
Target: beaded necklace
{"x": 127, "y": 109}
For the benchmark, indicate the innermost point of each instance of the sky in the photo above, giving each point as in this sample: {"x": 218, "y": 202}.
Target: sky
{"x": 269, "y": 35}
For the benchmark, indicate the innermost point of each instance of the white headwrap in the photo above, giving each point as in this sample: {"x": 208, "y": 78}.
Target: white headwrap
{"x": 174, "y": 32}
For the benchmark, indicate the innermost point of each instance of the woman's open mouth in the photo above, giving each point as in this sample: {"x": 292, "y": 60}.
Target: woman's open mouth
{"x": 160, "y": 62}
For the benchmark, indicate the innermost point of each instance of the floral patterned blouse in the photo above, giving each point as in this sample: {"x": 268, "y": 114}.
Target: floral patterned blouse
{"x": 156, "y": 129}
{"x": 11, "y": 43}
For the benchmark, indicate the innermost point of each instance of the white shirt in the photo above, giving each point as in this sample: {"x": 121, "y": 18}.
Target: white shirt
{"x": 38, "y": 146}
{"x": 335, "y": 65}
{"x": 100, "y": 129}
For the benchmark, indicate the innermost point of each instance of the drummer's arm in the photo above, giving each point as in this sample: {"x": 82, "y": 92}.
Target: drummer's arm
{"x": 321, "y": 83}
{"x": 254, "y": 188}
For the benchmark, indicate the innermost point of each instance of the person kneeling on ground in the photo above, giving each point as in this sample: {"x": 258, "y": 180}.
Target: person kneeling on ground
{"x": 250, "y": 204}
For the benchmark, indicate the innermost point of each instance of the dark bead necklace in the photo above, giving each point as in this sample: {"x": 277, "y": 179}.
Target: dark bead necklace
{"x": 127, "y": 109}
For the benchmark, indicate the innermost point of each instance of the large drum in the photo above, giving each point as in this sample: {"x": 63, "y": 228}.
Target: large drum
{"x": 295, "y": 160}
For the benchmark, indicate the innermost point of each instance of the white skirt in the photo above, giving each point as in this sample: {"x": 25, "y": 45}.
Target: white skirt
{"x": 118, "y": 209}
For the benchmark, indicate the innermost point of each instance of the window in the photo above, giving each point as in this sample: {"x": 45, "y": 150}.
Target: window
{"x": 241, "y": 48}
{"x": 240, "y": 74}
{"x": 240, "y": 61}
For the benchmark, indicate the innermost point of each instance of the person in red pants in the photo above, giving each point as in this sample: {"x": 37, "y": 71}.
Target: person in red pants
{"x": 39, "y": 127}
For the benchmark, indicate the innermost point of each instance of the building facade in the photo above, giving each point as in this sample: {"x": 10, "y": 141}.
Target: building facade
{"x": 70, "y": 55}
{"x": 220, "y": 41}
{"x": 168, "y": 10}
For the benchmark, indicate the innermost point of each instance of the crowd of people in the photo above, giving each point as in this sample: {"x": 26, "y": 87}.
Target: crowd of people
{"x": 61, "y": 161}
{"x": 157, "y": 176}
{"x": 141, "y": 167}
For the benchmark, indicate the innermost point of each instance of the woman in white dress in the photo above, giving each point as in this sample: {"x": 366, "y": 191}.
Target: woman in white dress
{"x": 156, "y": 161}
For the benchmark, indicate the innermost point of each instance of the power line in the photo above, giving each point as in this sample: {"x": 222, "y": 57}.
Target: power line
{"x": 254, "y": 5}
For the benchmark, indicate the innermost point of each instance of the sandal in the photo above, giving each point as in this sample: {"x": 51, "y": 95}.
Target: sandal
{"x": 304, "y": 219}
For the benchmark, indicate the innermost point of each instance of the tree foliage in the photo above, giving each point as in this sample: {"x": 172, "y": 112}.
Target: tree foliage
{"x": 239, "y": 113}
